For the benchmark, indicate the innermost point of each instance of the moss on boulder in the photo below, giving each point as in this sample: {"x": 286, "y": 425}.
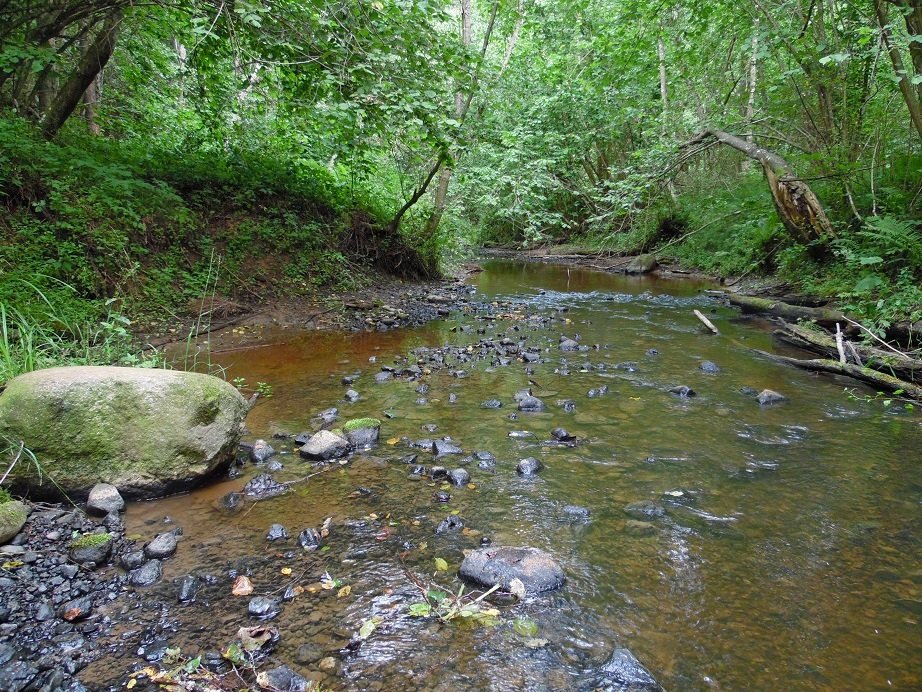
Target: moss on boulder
{"x": 13, "y": 515}
{"x": 358, "y": 423}
{"x": 146, "y": 432}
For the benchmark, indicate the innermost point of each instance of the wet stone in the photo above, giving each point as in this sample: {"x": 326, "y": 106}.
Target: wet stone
{"x": 535, "y": 568}
{"x": 597, "y": 392}
{"x": 491, "y": 403}
{"x": 132, "y": 560}
{"x": 43, "y": 613}
{"x": 264, "y": 486}
{"x": 188, "y": 588}
{"x": 324, "y": 446}
{"x": 767, "y": 397}
{"x": 383, "y": 377}
{"x": 576, "y": 512}
{"x": 231, "y": 503}
{"x": 683, "y": 391}
{"x": 76, "y": 609}
{"x": 437, "y": 472}
{"x": 645, "y": 510}
{"x": 263, "y": 607}
{"x": 146, "y": 575}
{"x": 352, "y": 395}
{"x": 310, "y": 539}
{"x": 561, "y": 435}
{"x": 531, "y": 404}
{"x": 96, "y": 554}
{"x": 450, "y": 524}
{"x": 633, "y": 527}
{"x": 623, "y": 671}
{"x": 276, "y": 532}
{"x": 528, "y": 466}
{"x": 442, "y": 496}
{"x": 459, "y": 477}
{"x": 261, "y": 451}
{"x": 162, "y": 546}
{"x": 569, "y": 345}
{"x": 444, "y": 447}
{"x": 284, "y": 679}
{"x": 567, "y": 405}
{"x": 709, "y": 367}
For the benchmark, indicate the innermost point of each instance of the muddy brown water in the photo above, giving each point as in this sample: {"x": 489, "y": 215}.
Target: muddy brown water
{"x": 788, "y": 558}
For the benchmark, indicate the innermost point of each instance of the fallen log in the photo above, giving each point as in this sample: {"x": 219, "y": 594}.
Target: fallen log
{"x": 893, "y": 363}
{"x": 764, "y": 306}
{"x": 879, "y": 380}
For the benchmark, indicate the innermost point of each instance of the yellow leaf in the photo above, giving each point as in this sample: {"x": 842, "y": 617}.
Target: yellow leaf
{"x": 372, "y": 516}
{"x": 131, "y": 683}
{"x": 286, "y": 571}
{"x": 392, "y": 441}
{"x": 472, "y": 486}
{"x": 343, "y": 592}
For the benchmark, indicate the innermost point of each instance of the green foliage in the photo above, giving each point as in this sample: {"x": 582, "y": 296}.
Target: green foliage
{"x": 358, "y": 423}
{"x": 90, "y": 540}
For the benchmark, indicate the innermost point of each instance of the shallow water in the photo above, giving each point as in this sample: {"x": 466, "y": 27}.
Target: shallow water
{"x": 789, "y": 556}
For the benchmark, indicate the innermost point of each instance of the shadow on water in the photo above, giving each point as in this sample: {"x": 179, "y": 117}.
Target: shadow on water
{"x": 787, "y": 555}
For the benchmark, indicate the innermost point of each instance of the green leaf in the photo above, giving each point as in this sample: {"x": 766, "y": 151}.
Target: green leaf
{"x": 441, "y": 565}
{"x": 193, "y": 664}
{"x": 871, "y": 260}
{"x": 369, "y": 626}
{"x": 436, "y": 595}
{"x": 868, "y": 283}
{"x": 420, "y": 610}
{"x": 525, "y": 626}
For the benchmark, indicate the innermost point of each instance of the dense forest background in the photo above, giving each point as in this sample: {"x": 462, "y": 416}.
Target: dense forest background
{"x": 153, "y": 152}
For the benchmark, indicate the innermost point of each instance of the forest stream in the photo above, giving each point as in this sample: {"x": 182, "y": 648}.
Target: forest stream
{"x": 763, "y": 546}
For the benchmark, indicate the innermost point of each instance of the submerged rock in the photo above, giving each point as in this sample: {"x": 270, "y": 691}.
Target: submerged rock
{"x": 624, "y": 673}
{"x": 188, "y": 589}
{"x": 449, "y": 524}
{"x": 459, "y": 477}
{"x": 276, "y": 532}
{"x": 261, "y": 451}
{"x": 443, "y": 447}
{"x": 263, "y": 486}
{"x": 576, "y": 512}
{"x": 161, "y": 546}
{"x": 683, "y": 391}
{"x": 767, "y": 397}
{"x": 535, "y": 568}
{"x": 531, "y": 404}
{"x": 528, "y": 466}
{"x": 153, "y": 430}
{"x": 709, "y": 367}
{"x": 645, "y": 510}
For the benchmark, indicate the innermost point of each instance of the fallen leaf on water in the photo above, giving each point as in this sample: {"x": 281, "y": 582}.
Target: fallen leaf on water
{"x": 372, "y": 516}
{"x": 343, "y": 592}
{"x": 525, "y": 626}
{"x": 298, "y": 590}
{"x": 393, "y": 440}
{"x": 423, "y": 545}
{"x": 242, "y": 586}
{"x": 369, "y": 626}
{"x": 441, "y": 565}
{"x": 517, "y": 588}
{"x": 131, "y": 683}
{"x": 472, "y": 486}
{"x": 416, "y": 522}
{"x": 536, "y": 643}
{"x": 253, "y": 638}
{"x": 286, "y": 571}
{"x": 383, "y": 534}
{"x": 13, "y": 564}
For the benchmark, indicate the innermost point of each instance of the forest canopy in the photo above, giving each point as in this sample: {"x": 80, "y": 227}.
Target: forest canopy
{"x": 778, "y": 136}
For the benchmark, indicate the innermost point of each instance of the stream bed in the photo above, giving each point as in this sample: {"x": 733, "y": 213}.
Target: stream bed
{"x": 783, "y": 546}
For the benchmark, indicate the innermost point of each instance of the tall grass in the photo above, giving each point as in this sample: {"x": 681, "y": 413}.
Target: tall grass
{"x": 45, "y": 339}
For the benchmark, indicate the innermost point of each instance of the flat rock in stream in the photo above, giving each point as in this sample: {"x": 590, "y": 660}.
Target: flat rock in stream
{"x": 535, "y": 568}
{"x": 161, "y": 546}
{"x": 324, "y": 446}
{"x": 531, "y": 404}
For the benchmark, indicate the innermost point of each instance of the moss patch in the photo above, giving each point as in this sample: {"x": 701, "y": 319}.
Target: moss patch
{"x": 359, "y": 423}
{"x": 91, "y": 540}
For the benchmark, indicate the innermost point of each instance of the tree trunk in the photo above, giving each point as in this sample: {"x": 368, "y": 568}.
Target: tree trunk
{"x": 910, "y": 95}
{"x": 798, "y": 207}
{"x": 91, "y": 63}
{"x": 465, "y": 106}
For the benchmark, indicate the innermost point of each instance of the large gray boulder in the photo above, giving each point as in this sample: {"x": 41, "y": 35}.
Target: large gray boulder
{"x": 145, "y": 431}
{"x": 535, "y": 568}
